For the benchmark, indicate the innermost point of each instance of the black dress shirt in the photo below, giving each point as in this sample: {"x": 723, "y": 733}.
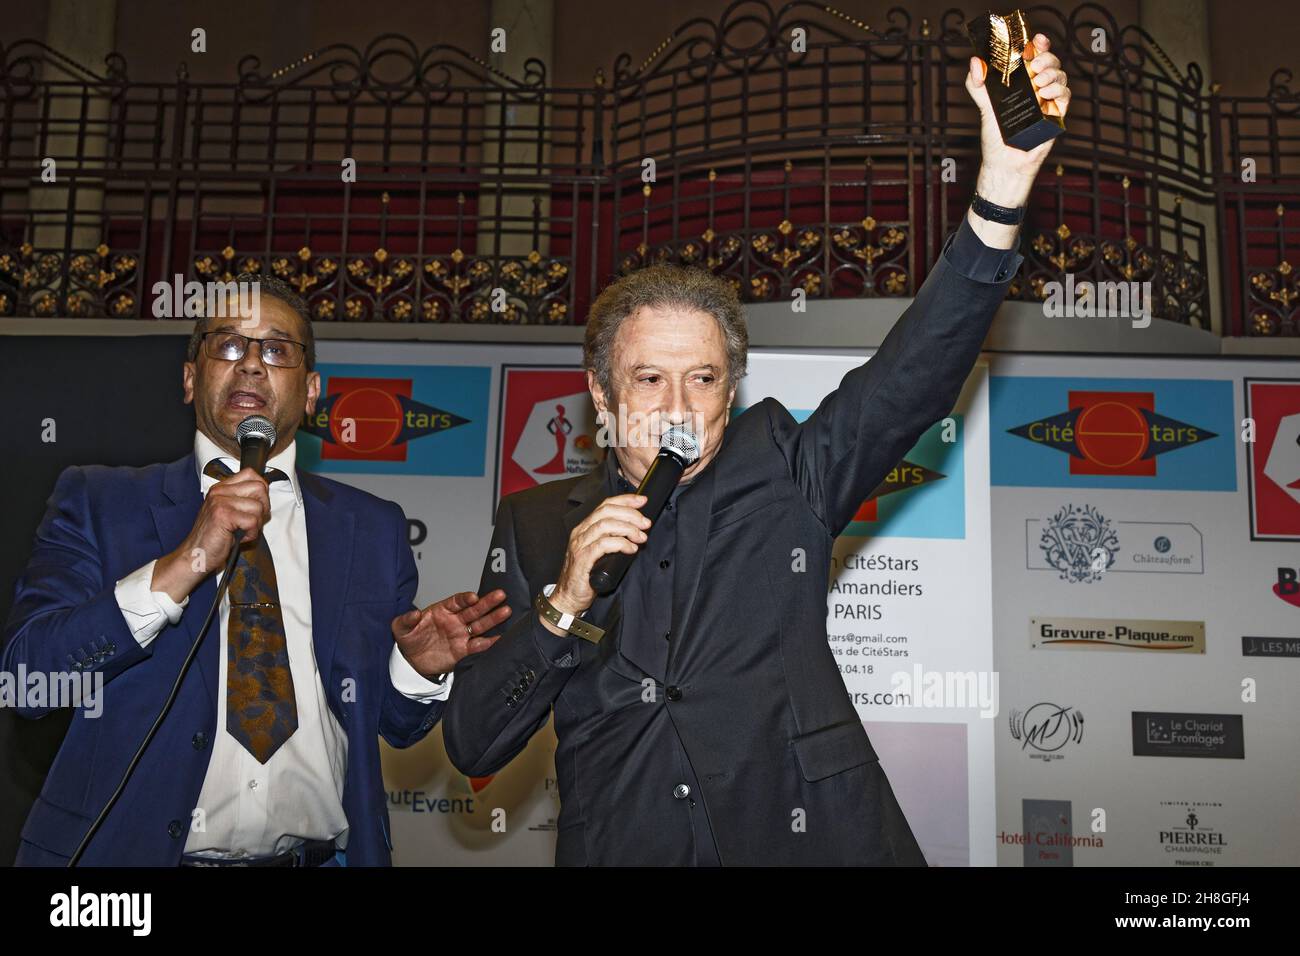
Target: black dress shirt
{"x": 646, "y": 592}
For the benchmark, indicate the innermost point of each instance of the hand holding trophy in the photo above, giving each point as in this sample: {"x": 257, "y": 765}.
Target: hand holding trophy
{"x": 1005, "y": 45}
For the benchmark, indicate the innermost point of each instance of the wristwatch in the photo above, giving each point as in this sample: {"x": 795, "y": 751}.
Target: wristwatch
{"x": 995, "y": 213}
{"x": 565, "y": 622}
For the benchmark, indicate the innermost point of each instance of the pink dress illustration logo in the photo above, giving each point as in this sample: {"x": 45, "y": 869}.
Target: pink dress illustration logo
{"x": 548, "y": 427}
{"x": 560, "y": 427}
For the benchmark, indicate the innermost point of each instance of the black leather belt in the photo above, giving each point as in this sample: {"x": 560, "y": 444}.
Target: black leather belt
{"x": 310, "y": 853}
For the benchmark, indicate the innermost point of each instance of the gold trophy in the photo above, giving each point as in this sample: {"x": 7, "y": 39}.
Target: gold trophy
{"x": 1024, "y": 119}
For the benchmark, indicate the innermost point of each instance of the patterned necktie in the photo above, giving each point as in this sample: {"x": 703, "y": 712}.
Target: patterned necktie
{"x": 260, "y": 709}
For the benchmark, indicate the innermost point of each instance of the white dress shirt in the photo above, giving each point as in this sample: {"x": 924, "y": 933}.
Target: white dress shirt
{"x": 249, "y": 808}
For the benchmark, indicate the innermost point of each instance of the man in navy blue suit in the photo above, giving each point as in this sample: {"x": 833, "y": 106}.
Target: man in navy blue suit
{"x": 270, "y": 754}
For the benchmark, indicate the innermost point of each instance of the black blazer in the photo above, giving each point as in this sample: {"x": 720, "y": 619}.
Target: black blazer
{"x": 787, "y": 772}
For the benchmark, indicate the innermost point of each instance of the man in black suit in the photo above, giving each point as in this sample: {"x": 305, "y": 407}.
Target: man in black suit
{"x": 700, "y": 715}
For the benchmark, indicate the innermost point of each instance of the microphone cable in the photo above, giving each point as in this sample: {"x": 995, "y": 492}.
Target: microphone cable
{"x": 166, "y": 708}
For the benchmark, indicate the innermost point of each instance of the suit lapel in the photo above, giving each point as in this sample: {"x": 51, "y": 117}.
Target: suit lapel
{"x": 173, "y": 518}
{"x": 329, "y": 544}
{"x": 584, "y": 497}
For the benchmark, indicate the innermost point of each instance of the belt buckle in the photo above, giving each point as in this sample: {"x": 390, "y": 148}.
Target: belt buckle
{"x": 313, "y": 852}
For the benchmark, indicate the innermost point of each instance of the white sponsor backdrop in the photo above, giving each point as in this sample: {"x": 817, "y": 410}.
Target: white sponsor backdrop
{"x": 942, "y": 581}
{"x": 1158, "y": 810}
{"x": 439, "y": 817}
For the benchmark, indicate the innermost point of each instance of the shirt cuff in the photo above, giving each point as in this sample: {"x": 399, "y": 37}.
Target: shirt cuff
{"x": 146, "y": 612}
{"x": 411, "y": 683}
{"x": 967, "y": 253}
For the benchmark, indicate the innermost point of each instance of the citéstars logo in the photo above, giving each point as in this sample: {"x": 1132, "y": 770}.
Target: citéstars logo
{"x": 1112, "y": 433}
{"x": 1116, "y": 433}
{"x": 408, "y": 420}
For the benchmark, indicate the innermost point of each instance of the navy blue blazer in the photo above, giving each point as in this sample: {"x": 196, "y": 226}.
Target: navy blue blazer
{"x": 103, "y": 523}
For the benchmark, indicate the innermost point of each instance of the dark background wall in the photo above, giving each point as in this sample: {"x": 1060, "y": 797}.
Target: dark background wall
{"x": 114, "y": 401}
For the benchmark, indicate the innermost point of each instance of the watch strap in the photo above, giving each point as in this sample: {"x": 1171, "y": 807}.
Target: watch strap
{"x": 565, "y": 622}
{"x": 995, "y": 213}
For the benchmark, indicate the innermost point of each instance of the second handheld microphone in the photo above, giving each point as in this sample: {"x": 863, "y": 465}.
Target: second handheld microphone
{"x": 678, "y": 450}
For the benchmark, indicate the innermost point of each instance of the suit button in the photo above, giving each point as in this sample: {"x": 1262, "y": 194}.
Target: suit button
{"x": 529, "y": 676}
{"x": 199, "y": 740}
{"x": 664, "y": 563}
{"x": 681, "y": 791}
{"x": 674, "y": 693}
{"x": 175, "y": 829}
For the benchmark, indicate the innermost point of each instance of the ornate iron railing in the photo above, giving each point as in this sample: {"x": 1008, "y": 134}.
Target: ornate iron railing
{"x": 835, "y": 165}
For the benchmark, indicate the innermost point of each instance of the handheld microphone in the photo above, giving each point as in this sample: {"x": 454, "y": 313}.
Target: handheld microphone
{"x": 256, "y": 439}
{"x": 678, "y": 450}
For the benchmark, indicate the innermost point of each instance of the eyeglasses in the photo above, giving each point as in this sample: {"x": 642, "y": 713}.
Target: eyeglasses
{"x": 231, "y": 347}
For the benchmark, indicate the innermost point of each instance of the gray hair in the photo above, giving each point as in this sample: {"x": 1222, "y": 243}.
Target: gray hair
{"x": 659, "y": 286}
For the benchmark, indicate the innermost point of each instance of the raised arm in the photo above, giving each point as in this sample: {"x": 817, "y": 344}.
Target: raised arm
{"x": 863, "y": 429}
{"x": 860, "y": 431}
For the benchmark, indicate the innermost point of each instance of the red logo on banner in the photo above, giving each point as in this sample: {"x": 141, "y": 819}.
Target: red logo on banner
{"x": 369, "y": 407}
{"x": 548, "y": 428}
{"x": 1273, "y": 459}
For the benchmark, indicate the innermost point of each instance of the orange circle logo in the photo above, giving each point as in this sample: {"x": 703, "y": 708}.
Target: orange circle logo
{"x": 1112, "y": 434}
{"x": 376, "y": 416}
